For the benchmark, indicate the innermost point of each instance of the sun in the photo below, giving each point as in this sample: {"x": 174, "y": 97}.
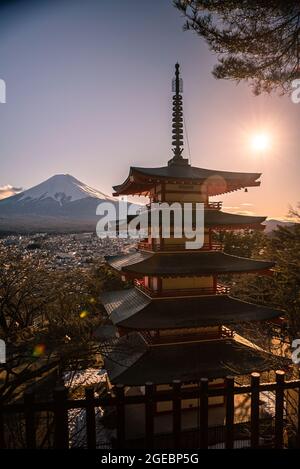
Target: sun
{"x": 260, "y": 142}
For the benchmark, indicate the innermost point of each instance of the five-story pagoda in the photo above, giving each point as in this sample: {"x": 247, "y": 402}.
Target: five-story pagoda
{"x": 177, "y": 322}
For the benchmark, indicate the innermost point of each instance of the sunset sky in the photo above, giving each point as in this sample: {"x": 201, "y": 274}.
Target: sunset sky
{"x": 89, "y": 94}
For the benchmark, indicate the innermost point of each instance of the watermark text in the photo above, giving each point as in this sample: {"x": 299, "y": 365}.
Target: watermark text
{"x": 157, "y": 220}
{"x": 2, "y": 91}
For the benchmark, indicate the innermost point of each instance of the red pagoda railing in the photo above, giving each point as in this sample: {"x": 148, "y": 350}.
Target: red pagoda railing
{"x": 145, "y": 246}
{"x": 209, "y": 205}
{"x": 222, "y": 289}
{"x": 223, "y": 332}
{"x": 214, "y": 205}
{"x": 219, "y": 290}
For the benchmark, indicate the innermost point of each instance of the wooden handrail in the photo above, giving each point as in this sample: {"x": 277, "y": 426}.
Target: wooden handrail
{"x": 214, "y": 205}
{"x": 145, "y": 246}
{"x": 177, "y": 392}
{"x": 219, "y": 290}
{"x": 210, "y": 205}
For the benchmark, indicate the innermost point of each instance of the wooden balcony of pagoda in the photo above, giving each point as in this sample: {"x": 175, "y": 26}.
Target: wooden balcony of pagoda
{"x": 208, "y": 206}
{"x": 220, "y": 289}
{"x": 145, "y": 246}
{"x": 213, "y": 206}
{"x": 162, "y": 339}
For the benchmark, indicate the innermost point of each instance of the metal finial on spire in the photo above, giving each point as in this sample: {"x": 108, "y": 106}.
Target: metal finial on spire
{"x": 177, "y": 83}
{"x": 177, "y": 119}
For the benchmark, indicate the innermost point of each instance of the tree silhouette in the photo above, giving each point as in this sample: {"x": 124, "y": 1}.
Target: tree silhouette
{"x": 257, "y": 41}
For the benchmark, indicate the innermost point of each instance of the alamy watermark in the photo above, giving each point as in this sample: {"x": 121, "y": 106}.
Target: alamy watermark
{"x": 2, "y": 351}
{"x": 158, "y": 220}
{"x": 295, "y": 96}
{"x": 2, "y": 91}
{"x": 296, "y": 351}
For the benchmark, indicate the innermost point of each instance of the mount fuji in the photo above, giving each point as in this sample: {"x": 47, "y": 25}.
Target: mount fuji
{"x": 61, "y": 203}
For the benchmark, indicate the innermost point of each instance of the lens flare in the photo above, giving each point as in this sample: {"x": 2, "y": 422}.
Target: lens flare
{"x": 83, "y": 314}
{"x": 39, "y": 350}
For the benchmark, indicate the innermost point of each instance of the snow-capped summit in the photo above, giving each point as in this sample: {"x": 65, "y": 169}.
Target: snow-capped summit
{"x": 62, "y": 188}
{"x": 60, "y": 202}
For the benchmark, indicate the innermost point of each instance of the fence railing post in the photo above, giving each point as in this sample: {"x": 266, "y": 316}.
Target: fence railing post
{"x": 90, "y": 418}
{"x": 229, "y": 418}
{"x": 60, "y": 406}
{"x": 255, "y": 378}
{"x": 298, "y": 411}
{"x": 177, "y": 413}
{"x": 2, "y": 433}
{"x": 61, "y": 427}
{"x": 120, "y": 405}
{"x": 279, "y": 407}
{"x": 203, "y": 413}
{"x": 149, "y": 415}
{"x": 29, "y": 413}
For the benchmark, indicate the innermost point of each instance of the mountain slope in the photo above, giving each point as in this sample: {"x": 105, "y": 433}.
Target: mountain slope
{"x": 272, "y": 224}
{"x": 62, "y": 188}
{"x": 60, "y": 202}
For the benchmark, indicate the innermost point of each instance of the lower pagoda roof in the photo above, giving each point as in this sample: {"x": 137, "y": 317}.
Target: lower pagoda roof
{"x": 133, "y": 309}
{"x": 184, "y": 263}
{"x": 131, "y": 362}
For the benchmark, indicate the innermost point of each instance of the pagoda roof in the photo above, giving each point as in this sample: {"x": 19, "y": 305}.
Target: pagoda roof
{"x": 216, "y": 218}
{"x": 133, "y": 309}
{"x": 184, "y": 263}
{"x": 212, "y": 219}
{"x": 141, "y": 180}
{"x": 132, "y": 362}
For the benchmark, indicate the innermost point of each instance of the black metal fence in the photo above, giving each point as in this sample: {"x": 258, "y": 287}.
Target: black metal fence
{"x": 226, "y": 436}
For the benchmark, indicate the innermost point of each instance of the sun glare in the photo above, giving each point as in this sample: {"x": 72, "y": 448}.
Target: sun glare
{"x": 260, "y": 142}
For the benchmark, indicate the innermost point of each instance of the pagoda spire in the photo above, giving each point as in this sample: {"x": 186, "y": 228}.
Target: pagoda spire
{"x": 177, "y": 119}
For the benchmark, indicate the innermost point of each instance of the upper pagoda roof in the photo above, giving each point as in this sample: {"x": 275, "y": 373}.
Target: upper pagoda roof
{"x": 132, "y": 309}
{"x": 179, "y": 171}
{"x": 141, "y": 180}
{"x": 184, "y": 263}
{"x": 132, "y": 362}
